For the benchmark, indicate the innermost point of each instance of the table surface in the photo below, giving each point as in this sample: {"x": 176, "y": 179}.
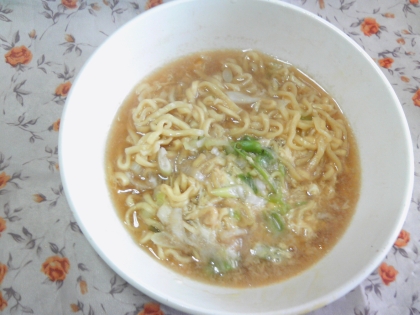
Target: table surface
{"x": 46, "y": 264}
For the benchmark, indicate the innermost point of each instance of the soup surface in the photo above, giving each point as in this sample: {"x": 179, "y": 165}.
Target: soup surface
{"x": 233, "y": 167}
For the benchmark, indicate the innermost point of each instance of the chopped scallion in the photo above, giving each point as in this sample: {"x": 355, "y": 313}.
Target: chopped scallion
{"x": 306, "y": 118}
{"x": 247, "y": 178}
{"x": 248, "y": 145}
{"x": 160, "y": 198}
{"x": 154, "y": 229}
{"x": 236, "y": 191}
{"x": 274, "y": 221}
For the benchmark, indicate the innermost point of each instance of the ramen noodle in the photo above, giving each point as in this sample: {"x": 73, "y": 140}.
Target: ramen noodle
{"x": 233, "y": 167}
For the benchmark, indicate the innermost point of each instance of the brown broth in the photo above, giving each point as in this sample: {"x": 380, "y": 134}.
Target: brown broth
{"x": 306, "y": 253}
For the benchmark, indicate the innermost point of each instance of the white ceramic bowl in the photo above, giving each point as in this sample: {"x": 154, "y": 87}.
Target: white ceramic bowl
{"x": 292, "y": 34}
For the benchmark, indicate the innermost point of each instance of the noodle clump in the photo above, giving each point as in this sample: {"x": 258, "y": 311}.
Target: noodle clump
{"x": 232, "y": 166}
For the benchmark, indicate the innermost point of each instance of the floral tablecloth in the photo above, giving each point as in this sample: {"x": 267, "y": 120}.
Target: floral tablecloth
{"x": 46, "y": 264}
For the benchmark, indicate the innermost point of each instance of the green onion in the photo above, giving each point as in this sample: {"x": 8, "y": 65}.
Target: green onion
{"x": 221, "y": 264}
{"x": 235, "y": 214}
{"x": 263, "y": 172}
{"x": 276, "y": 198}
{"x": 271, "y": 253}
{"x": 154, "y": 229}
{"x": 274, "y": 221}
{"x": 306, "y": 118}
{"x": 265, "y": 175}
{"x": 247, "y": 179}
{"x": 235, "y": 191}
{"x": 248, "y": 144}
{"x": 277, "y": 220}
{"x": 258, "y": 157}
{"x": 282, "y": 169}
{"x": 283, "y": 209}
{"x": 263, "y": 161}
{"x": 160, "y": 198}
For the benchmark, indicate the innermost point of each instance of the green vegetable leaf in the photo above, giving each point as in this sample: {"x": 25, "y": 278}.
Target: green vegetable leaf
{"x": 235, "y": 214}
{"x": 274, "y": 221}
{"x": 271, "y": 253}
{"x": 235, "y": 191}
{"x": 154, "y": 229}
{"x": 276, "y": 198}
{"x": 247, "y": 179}
{"x": 219, "y": 266}
{"x": 265, "y": 175}
{"x": 221, "y": 263}
{"x": 160, "y": 198}
{"x": 248, "y": 144}
{"x": 261, "y": 159}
